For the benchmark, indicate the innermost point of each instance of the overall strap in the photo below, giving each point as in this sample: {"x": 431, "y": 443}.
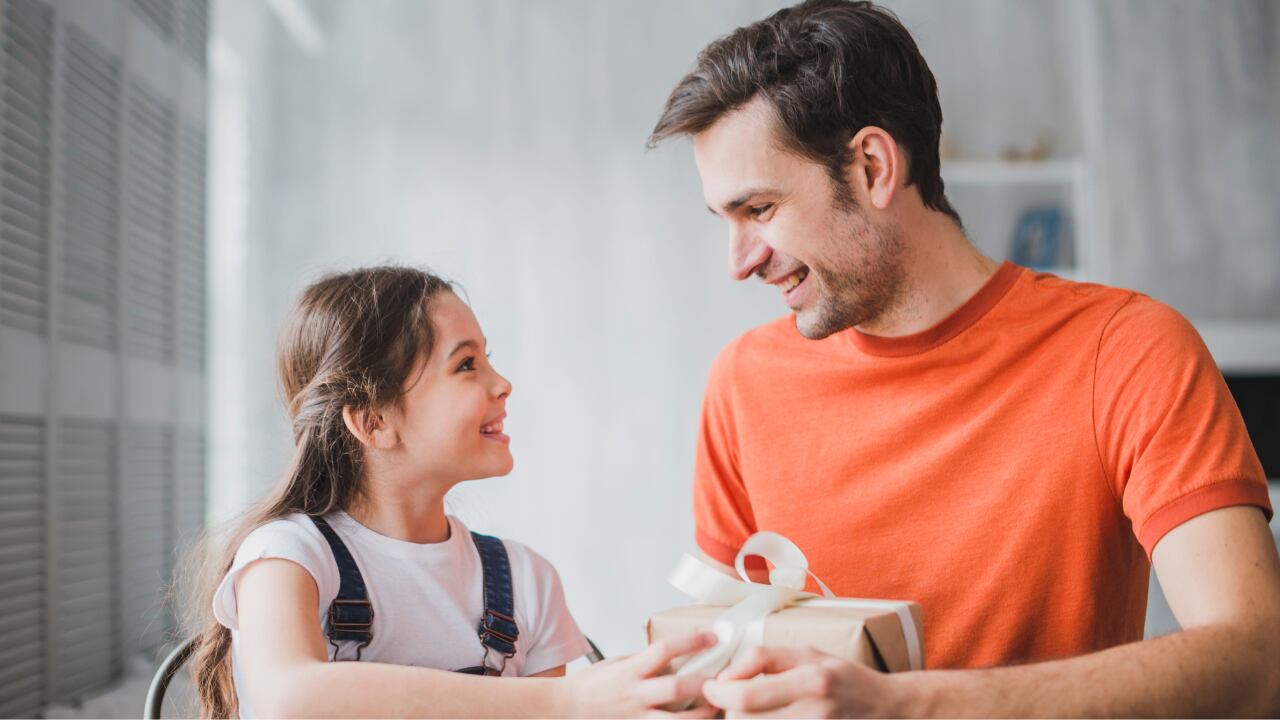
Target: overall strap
{"x": 498, "y": 630}
{"x": 351, "y": 613}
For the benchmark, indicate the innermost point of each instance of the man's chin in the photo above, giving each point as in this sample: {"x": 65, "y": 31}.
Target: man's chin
{"x": 821, "y": 321}
{"x": 814, "y": 325}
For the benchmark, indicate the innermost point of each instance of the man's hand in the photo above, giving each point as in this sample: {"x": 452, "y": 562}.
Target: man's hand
{"x": 800, "y": 682}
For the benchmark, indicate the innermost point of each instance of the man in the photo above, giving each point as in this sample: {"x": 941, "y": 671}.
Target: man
{"x": 1011, "y": 450}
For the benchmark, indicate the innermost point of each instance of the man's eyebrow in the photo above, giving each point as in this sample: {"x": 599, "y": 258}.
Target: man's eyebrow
{"x": 737, "y": 202}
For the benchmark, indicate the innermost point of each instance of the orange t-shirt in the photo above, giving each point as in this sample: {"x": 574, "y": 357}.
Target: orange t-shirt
{"x": 1010, "y": 469}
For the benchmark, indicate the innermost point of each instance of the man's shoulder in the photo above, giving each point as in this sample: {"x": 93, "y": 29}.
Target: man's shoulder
{"x": 1118, "y": 324}
{"x": 1123, "y": 309}
{"x": 1144, "y": 327}
{"x": 1085, "y": 311}
{"x": 767, "y": 337}
{"x": 1045, "y": 289}
{"x": 747, "y": 351}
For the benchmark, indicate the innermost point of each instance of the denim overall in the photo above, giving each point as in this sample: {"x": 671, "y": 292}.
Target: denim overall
{"x": 351, "y": 614}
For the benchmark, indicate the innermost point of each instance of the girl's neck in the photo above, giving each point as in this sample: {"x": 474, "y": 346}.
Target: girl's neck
{"x": 410, "y": 512}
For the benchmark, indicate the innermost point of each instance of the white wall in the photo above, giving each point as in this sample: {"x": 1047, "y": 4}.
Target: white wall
{"x": 502, "y": 144}
{"x": 1191, "y": 99}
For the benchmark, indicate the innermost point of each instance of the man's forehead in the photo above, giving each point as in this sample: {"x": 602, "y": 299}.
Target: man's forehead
{"x": 737, "y": 154}
{"x": 751, "y": 125}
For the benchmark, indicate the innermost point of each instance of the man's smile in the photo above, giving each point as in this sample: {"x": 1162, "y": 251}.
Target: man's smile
{"x": 789, "y": 282}
{"x": 793, "y": 286}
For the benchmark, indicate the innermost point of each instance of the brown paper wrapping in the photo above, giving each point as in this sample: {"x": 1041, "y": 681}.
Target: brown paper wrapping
{"x": 865, "y": 635}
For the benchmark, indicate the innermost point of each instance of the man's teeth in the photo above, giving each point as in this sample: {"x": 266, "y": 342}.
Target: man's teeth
{"x": 494, "y": 428}
{"x": 794, "y": 279}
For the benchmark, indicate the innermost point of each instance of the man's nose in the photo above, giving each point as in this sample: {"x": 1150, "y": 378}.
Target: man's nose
{"x": 746, "y": 251}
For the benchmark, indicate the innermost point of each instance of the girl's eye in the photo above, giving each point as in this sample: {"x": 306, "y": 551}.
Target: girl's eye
{"x": 469, "y": 364}
{"x": 759, "y": 210}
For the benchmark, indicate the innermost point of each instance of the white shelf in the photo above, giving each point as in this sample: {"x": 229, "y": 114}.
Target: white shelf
{"x": 1061, "y": 171}
{"x": 991, "y": 193}
{"x": 1066, "y": 272}
{"x": 1242, "y": 346}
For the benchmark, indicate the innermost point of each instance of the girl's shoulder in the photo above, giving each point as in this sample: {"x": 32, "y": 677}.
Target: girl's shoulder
{"x": 289, "y": 536}
{"x": 554, "y": 636}
{"x": 527, "y": 565}
{"x": 294, "y": 538}
{"x": 297, "y": 525}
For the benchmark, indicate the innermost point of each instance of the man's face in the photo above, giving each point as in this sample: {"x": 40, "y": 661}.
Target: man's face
{"x": 789, "y": 226}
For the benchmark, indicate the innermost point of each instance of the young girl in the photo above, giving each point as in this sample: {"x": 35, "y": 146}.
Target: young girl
{"x": 352, "y": 558}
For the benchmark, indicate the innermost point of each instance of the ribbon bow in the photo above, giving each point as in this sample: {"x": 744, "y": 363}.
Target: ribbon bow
{"x": 742, "y": 625}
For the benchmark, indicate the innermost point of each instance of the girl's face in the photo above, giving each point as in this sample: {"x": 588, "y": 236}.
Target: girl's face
{"x": 450, "y": 416}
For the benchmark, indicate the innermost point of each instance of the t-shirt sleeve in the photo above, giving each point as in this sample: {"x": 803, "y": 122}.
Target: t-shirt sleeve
{"x": 1170, "y": 436}
{"x": 555, "y": 639}
{"x": 721, "y": 509}
{"x": 278, "y": 539}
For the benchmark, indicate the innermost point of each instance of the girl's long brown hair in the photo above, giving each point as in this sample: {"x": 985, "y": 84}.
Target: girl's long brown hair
{"x": 352, "y": 340}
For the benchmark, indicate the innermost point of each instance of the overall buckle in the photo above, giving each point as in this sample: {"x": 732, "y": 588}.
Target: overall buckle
{"x": 350, "y": 615}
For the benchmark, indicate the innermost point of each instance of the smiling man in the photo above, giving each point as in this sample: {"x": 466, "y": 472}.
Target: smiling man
{"x": 1011, "y": 450}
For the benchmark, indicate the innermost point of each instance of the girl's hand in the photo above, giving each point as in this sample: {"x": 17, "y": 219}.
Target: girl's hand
{"x": 626, "y": 686}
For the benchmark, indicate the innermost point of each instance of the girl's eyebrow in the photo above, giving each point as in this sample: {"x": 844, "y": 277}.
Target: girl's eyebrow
{"x": 465, "y": 343}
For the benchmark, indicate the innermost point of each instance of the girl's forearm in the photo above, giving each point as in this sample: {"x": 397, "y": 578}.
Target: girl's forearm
{"x": 368, "y": 689}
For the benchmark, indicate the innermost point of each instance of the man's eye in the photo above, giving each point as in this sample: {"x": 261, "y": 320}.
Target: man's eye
{"x": 759, "y": 210}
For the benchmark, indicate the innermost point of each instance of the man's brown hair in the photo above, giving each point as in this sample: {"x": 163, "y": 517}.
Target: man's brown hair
{"x": 827, "y": 68}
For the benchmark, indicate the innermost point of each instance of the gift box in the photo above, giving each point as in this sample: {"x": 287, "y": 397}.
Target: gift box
{"x": 869, "y": 634}
{"x": 884, "y": 634}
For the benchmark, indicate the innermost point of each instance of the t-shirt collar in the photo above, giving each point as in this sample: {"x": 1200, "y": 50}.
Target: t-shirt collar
{"x": 957, "y": 322}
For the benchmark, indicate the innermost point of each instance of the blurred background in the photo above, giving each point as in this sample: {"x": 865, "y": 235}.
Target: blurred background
{"x": 175, "y": 171}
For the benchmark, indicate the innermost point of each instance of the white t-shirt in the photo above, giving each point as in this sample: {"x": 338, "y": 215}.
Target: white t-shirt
{"x": 427, "y": 598}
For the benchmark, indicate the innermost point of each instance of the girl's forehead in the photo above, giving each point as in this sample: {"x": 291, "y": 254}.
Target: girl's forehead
{"x": 454, "y": 322}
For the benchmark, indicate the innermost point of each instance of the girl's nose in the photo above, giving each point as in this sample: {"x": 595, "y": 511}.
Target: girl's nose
{"x": 501, "y": 386}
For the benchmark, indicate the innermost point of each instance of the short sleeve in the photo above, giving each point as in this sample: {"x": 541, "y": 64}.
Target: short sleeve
{"x": 286, "y": 540}
{"x": 555, "y": 639}
{"x": 721, "y": 509}
{"x": 1170, "y": 436}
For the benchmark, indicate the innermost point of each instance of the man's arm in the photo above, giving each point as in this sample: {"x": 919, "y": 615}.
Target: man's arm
{"x": 1221, "y": 575}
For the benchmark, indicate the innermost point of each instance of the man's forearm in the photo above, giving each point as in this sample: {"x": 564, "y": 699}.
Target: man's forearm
{"x": 1210, "y": 671}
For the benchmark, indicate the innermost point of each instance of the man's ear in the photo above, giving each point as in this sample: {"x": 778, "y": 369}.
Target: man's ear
{"x": 370, "y": 427}
{"x": 877, "y": 167}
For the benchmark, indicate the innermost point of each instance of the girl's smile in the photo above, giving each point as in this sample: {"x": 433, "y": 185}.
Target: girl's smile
{"x": 493, "y": 430}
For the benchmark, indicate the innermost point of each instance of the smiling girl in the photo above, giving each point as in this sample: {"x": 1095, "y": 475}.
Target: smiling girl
{"x": 351, "y": 557}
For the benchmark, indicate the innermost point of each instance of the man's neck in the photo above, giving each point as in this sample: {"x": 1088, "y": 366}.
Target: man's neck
{"x": 942, "y": 270}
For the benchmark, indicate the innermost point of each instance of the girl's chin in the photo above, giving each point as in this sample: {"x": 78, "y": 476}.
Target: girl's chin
{"x": 504, "y": 466}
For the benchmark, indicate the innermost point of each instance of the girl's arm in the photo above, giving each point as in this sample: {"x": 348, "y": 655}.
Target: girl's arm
{"x": 286, "y": 669}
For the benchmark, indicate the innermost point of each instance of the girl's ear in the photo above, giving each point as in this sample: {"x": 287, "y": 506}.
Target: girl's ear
{"x": 370, "y": 427}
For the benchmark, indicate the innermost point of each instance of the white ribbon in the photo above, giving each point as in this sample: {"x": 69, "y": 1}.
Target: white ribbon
{"x": 742, "y": 625}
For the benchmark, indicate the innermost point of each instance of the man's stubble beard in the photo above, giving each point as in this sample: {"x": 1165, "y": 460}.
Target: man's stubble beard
{"x": 859, "y": 283}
